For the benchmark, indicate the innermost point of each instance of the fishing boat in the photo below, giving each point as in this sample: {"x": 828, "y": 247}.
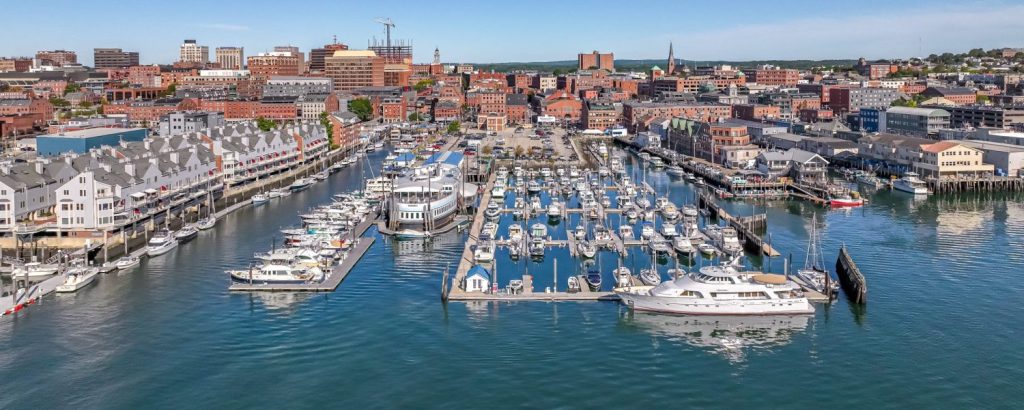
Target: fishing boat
{"x": 78, "y": 278}
{"x": 683, "y": 245}
{"x": 623, "y": 277}
{"x": 186, "y": 233}
{"x": 260, "y": 199}
{"x": 719, "y": 290}
{"x": 162, "y": 242}
{"x": 127, "y": 262}
{"x": 538, "y": 230}
{"x": 34, "y": 270}
{"x": 650, "y": 277}
{"x": 814, "y": 273}
{"x": 707, "y": 249}
{"x": 847, "y": 200}
{"x": 276, "y": 274}
{"x": 910, "y": 183}
{"x": 300, "y": 184}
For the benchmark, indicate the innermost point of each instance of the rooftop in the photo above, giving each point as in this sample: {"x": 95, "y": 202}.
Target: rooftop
{"x": 91, "y": 132}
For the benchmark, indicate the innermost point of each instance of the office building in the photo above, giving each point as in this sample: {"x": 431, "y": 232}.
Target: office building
{"x": 230, "y": 58}
{"x": 56, "y": 58}
{"x": 351, "y": 69}
{"x": 596, "y": 60}
{"x": 114, "y": 58}
{"x": 191, "y": 52}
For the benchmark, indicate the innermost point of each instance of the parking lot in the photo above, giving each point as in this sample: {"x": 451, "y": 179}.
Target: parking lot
{"x": 522, "y": 143}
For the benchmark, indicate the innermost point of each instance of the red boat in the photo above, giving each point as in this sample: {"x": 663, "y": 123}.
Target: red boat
{"x": 850, "y": 200}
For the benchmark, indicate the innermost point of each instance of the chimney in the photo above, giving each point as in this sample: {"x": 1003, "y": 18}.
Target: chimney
{"x": 129, "y": 168}
{"x": 174, "y": 157}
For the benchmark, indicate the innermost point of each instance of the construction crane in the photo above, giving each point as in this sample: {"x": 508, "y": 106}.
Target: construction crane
{"x": 388, "y": 25}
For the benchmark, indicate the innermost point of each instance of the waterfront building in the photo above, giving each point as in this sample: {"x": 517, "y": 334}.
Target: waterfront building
{"x": 920, "y": 122}
{"x": 81, "y": 141}
{"x": 1008, "y": 159}
{"x": 795, "y": 163}
{"x": 985, "y": 116}
{"x": 951, "y": 159}
{"x": 28, "y": 192}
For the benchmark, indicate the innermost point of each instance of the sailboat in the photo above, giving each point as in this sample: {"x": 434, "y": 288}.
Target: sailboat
{"x": 814, "y": 273}
{"x": 211, "y": 218}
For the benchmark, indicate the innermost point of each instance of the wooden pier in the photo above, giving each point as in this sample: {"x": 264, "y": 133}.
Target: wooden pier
{"x": 334, "y": 278}
{"x": 852, "y": 281}
{"x": 744, "y": 226}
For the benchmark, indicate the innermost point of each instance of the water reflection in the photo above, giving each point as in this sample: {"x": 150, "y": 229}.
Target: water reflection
{"x": 732, "y": 337}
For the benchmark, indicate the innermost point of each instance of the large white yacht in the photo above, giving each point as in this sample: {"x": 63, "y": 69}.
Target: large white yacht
{"x": 720, "y": 290}
{"x": 161, "y": 243}
{"x": 912, "y": 184}
{"x": 428, "y": 197}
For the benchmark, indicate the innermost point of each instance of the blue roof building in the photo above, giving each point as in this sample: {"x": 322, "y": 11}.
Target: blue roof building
{"x": 448, "y": 157}
{"x": 82, "y": 141}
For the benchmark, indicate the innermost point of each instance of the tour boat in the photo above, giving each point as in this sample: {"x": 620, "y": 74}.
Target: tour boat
{"x": 35, "y": 270}
{"x": 127, "y": 262}
{"x": 683, "y": 245}
{"x": 161, "y": 243}
{"x": 276, "y": 274}
{"x": 77, "y": 278}
{"x": 650, "y": 277}
{"x": 260, "y": 199}
{"x": 912, "y": 184}
{"x": 848, "y": 200}
{"x": 719, "y": 290}
{"x": 187, "y": 233}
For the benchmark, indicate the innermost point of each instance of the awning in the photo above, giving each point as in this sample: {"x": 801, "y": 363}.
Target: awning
{"x": 138, "y": 195}
{"x": 150, "y": 191}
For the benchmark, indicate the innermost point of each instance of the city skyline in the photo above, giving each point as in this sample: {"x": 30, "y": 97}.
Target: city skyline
{"x": 797, "y": 30}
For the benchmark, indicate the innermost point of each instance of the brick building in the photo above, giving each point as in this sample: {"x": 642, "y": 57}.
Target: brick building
{"x": 599, "y": 115}
{"x": 351, "y": 69}
{"x": 774, "y": 76}
{"x": 756, "y": 112}
{"x": 57, "y": 58}
{"x": 596, "y": 60}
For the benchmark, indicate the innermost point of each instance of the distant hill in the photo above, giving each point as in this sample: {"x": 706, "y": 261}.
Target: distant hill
{"x": 644, "y": 65}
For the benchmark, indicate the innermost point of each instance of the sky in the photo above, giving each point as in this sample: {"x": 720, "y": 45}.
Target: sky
{"x": 523, "y": 30}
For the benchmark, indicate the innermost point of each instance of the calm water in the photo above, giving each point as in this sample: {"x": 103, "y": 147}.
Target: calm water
{"x": 943, "y": 327}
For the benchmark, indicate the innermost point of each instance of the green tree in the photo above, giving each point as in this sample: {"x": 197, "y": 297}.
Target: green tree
{"x": 415, "y": 117}
{"x": 85, "y": 104}
{"x": 71, "y": 88}
{"x": 265, "y": 124}
{"x": 170, "y": 90}
{"x": 557, "y": 72}
{"x": 982, "y": 99}
{"x": 362, "y": 108}
{"x": 59, "y": 102}
{"x": 329, "y": 126}
{"x": 423, "y": 84}
{"x": 454, "y": 127}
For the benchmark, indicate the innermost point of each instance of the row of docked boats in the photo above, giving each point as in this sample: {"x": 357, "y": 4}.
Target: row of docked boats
{"x": 312, "y": 250}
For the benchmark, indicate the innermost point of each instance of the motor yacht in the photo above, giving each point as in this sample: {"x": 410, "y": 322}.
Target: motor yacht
{"x": 161, "y": 243}
{"x": 277, "y": 274}
{"x": 186, "y": 233}
{"x": 910, "y": 183}
{"x": 77, "y": 278}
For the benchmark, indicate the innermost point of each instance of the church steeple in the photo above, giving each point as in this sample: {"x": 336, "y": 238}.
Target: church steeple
{"x": 670, "y": 69}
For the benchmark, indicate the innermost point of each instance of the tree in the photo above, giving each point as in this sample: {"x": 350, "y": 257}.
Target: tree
{"x": 520, "y": 150}
{"x": 981, "y": 99}
{"x": 265, "y": 124}
{"x": 557, "y": 72}
{"x": 454, "y": 127}
{"x": 71, "y": 88}
{"x": 329, "y": 126}
{"x": 423, "y": 84}
{"x": 362, "y": 108}
{"x": 59, "y": 102}
{"x": 85, "y": 104}
{"x": 170, "y": 90}
{"x": 487, "y": 150}
{"x": 415, "y": 117}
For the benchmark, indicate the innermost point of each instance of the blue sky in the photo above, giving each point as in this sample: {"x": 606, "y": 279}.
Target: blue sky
{"x": 527, "y": 30}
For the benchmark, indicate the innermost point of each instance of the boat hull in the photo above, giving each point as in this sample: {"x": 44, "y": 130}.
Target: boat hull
{"x": 160, "y": 250}
{"x": 685, "y": 306}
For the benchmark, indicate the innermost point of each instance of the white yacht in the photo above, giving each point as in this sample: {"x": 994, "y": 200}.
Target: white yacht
{"x": 683, "y": 245}
{"x": 587, "y": 249}
{"x": 34, "y": 270}
{"x": 720, "y": 290}
{"x": 538, "y": 230}
{"x": 647, "y": 231}
{"x": 77, "y": 278}
{"x": 729, "y": 241}
{"x": 554, "y": 210}
{"x": 515, "y": 233}
{"x": 668, "y": 230}
{"x": 428, "y": 198}
{"x": 276, "y": 273}
{"x": 498, "y": 191}
{"x": 484, "y": 252}
{"x": 912, "y": 184}
{"x": 161, "y": 243}
{"x": 127, "y": 262}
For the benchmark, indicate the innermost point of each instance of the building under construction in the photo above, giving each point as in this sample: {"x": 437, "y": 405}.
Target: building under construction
{"x": 397, "y": 60}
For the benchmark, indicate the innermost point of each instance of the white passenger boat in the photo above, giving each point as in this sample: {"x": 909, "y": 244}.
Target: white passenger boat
{"x": 161, "y": 243}
{"x": 910, "y": 183}
{"x": 719, "y": 290}
{"x": 78, "y": 278}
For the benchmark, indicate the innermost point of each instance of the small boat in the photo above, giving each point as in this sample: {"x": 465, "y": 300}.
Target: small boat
{"x": 647, "y": 230}
{"x": 587, "y": 249}
{"x": 515, "y": 233}
{"x": 161, "y": 243}
{"x": 488, "y": 231}
{"x": 581, "y": 231}
{"x": 650, "y": 277}
{"x": 484, "y": 252}
{"x": 729, "y": 241}
{"x": 515, "y": 286}
{"x": 187, "y": 233}
{"x": 910, "y": 183}
{"x": 538, "y": 230}
{"x": 533, "y": 187}
{"x": 707, "y": 249}
{"x": 847, "y": 200}
{"x": 127, "y": 262}
{"x": 493, "y": 211}
{"x": 301, "y": 184}
{"x": 412, "y": 234}
{"x": 537, "y": 246}
{"x": 668, "y": 230}
{"x": 632, "y": 214}
{"x": 35, "y": 270}
{"x": 260, "y": 199}
{"x": 574, "y": 284}
{"x": 593, "y": 279}
{"x": 535, "y": 204}
{"x": 554, "y": 210}
{"x": 676, "y": 171}
{"x": 498, "y": 191}
{"x": 683, "y": 245}
{"x": 78, "y": 278}
{"x": 623, "y": 276}
{"x": 626, "y": 232}
{"x": 601, "y": 234}
{"x": 659, "y": 247}
{"x": 207, "y": 223}
{"x": 276, "y": 273}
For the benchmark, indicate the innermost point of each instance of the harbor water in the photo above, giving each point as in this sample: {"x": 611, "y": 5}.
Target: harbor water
{"x": 942, "y": 327}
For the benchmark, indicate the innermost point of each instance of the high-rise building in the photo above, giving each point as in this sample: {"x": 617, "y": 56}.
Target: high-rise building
{"x": 114, "y": 58}
{"x": 351, "y": 69}
{"x": 230, "y": 58}
{"x": 56, "y": 58}
{"x": 317, "y": 55}
{"x": 191, "y": 52}
{"x": 264, "y": 65}
{"x": 596, "y": 60}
